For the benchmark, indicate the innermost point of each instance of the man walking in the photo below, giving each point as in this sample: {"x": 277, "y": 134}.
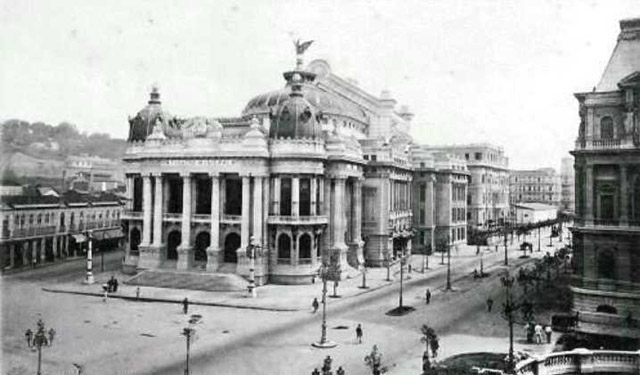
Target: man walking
{"x": 489, "y": 304}
{"x": 315, "y": 305}
{"x": 185, "y": 305}
{"x": 29, "y": 336}
{"x": 547, "y": 331}
{"x": 359, "y": 333}
{"x": 538, "y": 333}
{"x": 428, "y": 296}
{"x": 52, "y": 335}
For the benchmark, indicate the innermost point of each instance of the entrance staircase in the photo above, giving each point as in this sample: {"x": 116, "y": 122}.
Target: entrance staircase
{"x": 212, "y": 282}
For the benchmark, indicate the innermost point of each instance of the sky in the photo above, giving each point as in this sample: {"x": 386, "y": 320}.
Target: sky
{"x": 502, "y": 72}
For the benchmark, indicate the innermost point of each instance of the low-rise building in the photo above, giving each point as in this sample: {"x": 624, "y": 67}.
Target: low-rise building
{"x": 567, "y": 181}
{"x": 529, "y": 213}
{"x": 43, "y": 228}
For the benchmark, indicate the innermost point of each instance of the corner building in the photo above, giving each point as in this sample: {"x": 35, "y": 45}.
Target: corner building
{"x": 287, "y": 175}
{"x": 606, "y": 232}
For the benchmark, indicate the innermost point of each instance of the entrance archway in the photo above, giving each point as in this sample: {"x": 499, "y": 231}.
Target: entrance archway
{"x": 202, "y": 242}
{"x": 173, "y": 241}
{"x": 231, "y": 245}
{"x": 304, "y": 247}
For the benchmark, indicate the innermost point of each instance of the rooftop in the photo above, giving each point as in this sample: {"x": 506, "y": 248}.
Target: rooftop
{"x": 625, "y": 58}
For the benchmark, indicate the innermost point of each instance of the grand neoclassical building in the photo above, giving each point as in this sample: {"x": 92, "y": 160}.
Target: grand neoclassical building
{"x": 318, "y": 168}
{"x": 606, "y": 234}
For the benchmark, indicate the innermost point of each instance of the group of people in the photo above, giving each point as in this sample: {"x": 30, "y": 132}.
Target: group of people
{"x": 536, "y": 333}
{"x": 46, "y": 340}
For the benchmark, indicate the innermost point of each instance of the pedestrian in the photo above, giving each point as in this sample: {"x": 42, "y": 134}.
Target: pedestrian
{"x": 530, "y": 332}
{"x": 548, "y": 331}
{"x": 106, "y": 295}
{"x": 428, "y": 296}
{"x": 138, "y": 292}
{"x": 115, "y": 285}
{"x": 185, "y": 305}
{"x": 52, "y": 335}
{"x": 538, "y": 333}
{"x": 489, "y": 304}
{"x": 409, "y": 267}
{"x": 359, "y": 333}
{"x": 315, "y": 305}
{"x": 29, "y": 336}
{"x": 34, "y": 263}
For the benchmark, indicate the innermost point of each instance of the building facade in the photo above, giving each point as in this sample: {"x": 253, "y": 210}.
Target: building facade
{"x": 488, "y": 189}
{"x": 439, "y": 199}
{"x": 92, "y": 173}
{"x": 38, "y": 229}
{"x": 567, "y": 181}
{"x": 606, "y": 232}
{"x": 309, "y": 173}
{"x": 535, "y": 186}
{"x": 530, "y": 213}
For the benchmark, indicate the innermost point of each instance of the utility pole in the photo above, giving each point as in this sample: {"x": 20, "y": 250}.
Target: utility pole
{"x": 538, "y": 238}
{"x": 324, "y": 343}
{"x": 448, "y": 245}
{"x": 188, "y": 333}
{"x": 39, "y": 339}
{"x": 506, "y": 258}
{"x": 251, "y": 252}
{"x": 89, "y": 277}
{"x": 508, "y": 309}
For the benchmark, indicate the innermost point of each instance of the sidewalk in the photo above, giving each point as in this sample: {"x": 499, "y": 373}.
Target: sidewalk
{"x": 273, "y": 297}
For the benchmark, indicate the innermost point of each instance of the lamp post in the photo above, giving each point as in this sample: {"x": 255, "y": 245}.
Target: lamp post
{"x": 448, "y": 245}
{"x": 39, "y": 339}
{"x": 251, "y": 253}
{"x": 324, "y": 343}
{"x": 506, "y": 257}
{"x": 508, "y": 309}
{"x": 539, "y": 237}
{"x": 188, "y": 333}
{"x": 89, "y": 278}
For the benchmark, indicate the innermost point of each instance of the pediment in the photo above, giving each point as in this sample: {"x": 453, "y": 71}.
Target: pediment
{"x": 632, "y": 80}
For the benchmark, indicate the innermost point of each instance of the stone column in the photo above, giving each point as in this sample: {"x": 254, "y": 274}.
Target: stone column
{"x": 265, "y": 214}
{"x": 357, "y": 210}
{"x": 214, "y": 247}
{"x": 257, "y": 209}
{"x": 246, "y": 199}
{"x": 313, "y": 191}
{"x": 43, "y": 243}
{"x": 129, "y": 187}
{"x": 25, "y": 248}
{"x": 624, "y": 196}
{"x": 146, "y": 210}
{"x": 184, "y": 250}
{"x": 327, "y": 235}
{"x": 165, "y": 194}
{"x": 322, "y": 196}
{"x": 276, "y": 195}
{"x": 223, "y": 195}
{"x": 295, "y": 196}
{"x": 157, "y": 212}
{"x": 338, "y": 213}
{"x": 588, "y": 196}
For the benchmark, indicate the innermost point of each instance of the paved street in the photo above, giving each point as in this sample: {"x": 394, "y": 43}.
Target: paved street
{"x": 122, "y": 336}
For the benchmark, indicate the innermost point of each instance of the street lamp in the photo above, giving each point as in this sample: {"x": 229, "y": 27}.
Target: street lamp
{"x": 39, "y": 339}
{"x": 188, "y": 333}
{"x": 508, "y": 309}
{"x": 448, "y": 245}
{"x": 89, "y": 278}
{"x": 324, "y": 343}
{"x": 253, "y": 246}
{"x": 506, "y": 258}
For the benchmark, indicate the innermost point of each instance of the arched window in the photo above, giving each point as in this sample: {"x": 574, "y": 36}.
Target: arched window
{"x": 606, "y": 265}
{"x": 606, "y": 128}
{"x": 607, "y": 309}
{"x": 304, "y": 246}
{"x": 284, "y": 247}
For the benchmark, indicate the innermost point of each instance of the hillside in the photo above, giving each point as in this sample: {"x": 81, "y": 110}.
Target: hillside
{"x": 39, "y": 149}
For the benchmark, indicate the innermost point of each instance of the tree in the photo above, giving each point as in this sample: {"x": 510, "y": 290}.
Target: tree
{"x": 374, "y": 361}
{"x": 431, "y": 340}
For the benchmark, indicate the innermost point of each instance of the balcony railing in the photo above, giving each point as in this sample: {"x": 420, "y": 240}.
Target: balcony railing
{"x": 202, "y": 217}
{"x": 580, "y": 361}
{"x": 581, "y": 222}
{"x": 305, "y": 260}
{"x": 32, "y": 232}
{"x": 604, "y": 143}
{"x": 132, "y": 214}
{"x": 298, "y": 220}
{"x": 172, "y": 216}
{"x": 231, "y": 219}
{"x": 283, "y": 261}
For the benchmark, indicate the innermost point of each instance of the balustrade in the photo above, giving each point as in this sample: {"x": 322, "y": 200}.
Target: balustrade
{"x": 593, "y": 361}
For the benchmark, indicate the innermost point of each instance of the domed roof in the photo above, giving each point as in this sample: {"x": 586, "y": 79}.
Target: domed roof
{"x": 141, "y": 126}
{"x": 324, "y": 101}
{"x": 295, "y": 117}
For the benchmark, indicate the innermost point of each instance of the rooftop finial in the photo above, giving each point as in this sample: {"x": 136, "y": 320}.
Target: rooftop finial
{"x": 300, "y": 48}
{"x": 154, "y": 97}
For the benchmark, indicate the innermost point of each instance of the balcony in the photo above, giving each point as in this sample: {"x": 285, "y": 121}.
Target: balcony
{"x": 605, "y": 144}
{"x": 32, "y": 232}
{"x": 582, "y": 361}
{"x": 297, "y": 220}
{"x": 231, "y": 219}
{"x": 172, "y": 217}
{"x": 202, "y": 218}
{"x": 129, "y": 214}
{"x": 614, "y": 224}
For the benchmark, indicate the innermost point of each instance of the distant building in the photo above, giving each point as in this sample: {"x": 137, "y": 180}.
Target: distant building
{"x": 529, "y": 213}
{"x": 606, "y": 232}
{"x": 10, "y": 188}
{"x": 535, "y": 186}
{"x": 567, "y": 181}
{"x": 488, "y": 190}
{"x": 439, "y": 199}
{"x": 92, "y": 173}
{"x": 43, "y": 228}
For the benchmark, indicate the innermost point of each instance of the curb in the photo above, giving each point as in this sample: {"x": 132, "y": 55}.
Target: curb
{"x": 167, "y": 300}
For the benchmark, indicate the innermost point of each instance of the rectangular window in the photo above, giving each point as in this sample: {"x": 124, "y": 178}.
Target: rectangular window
{"x": 285, "y": 196}
{"x": 478, "y": 156}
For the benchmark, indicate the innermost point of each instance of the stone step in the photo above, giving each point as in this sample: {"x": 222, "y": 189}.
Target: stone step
{"x": 215, "y": 282}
